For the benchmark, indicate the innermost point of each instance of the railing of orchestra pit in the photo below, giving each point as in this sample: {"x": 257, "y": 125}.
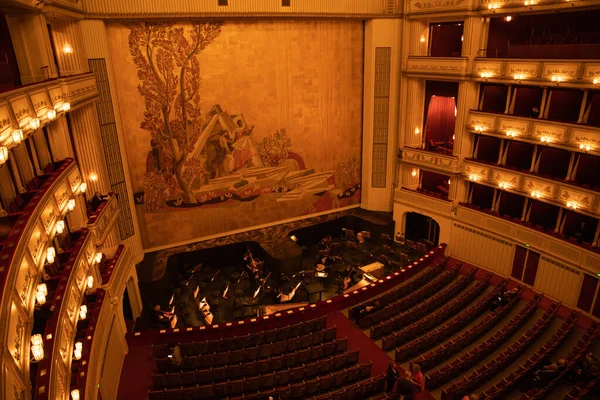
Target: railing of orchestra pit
{"x": 292, "y": 315}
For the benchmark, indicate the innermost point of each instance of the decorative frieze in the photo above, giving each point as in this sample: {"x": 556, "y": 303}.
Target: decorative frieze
{"x": 553, "y": 132}
{"x": 543, "y": 188}
{"x": 437, "y": 161}
{"x": 437, "y": 65}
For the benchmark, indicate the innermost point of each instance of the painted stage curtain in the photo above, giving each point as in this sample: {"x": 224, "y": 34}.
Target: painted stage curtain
{"x": 441, "y": 119}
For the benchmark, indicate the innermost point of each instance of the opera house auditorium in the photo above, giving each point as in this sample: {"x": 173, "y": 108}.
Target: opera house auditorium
{"x": 299, "y": 199}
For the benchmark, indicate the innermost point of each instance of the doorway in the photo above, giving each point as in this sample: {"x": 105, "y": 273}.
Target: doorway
{"x": 421, "y": 228}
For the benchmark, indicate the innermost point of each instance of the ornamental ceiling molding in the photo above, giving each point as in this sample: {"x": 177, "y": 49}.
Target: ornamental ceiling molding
{"x": 122, "y": 17}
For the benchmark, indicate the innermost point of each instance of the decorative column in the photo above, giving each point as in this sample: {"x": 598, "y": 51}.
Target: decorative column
{"x": 415, "y": 103}
{"x": 382, "y": 85}
{"x": 95, "y": 40}
{"x": 418, "y": 37}
{"x": 58, "y": 137}
{"x": 410, "y": 177}
{"x": 475, "y": 34}
{"x": 467, "y": 98}
{"x": 69, "y": 48}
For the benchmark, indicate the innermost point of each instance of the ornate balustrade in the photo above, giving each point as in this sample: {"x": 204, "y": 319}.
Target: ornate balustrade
{"x": 32, "y": 106}
{"x": 431, "y": 160}
{"x": 547, "y": 190}
{"x": 113, "y": 264}
{"x": 102, "y": 220}
{"x": 54, "y": 370}
{"x": 22, "y": 258}
{"x": 238, "y": 8}
{"x": 414, "y": 7}
{"x": 516, "y": 233}
{"x": 573, "y": 137}
{"x": 563, "y": 73}
{"x": 427, "y": 66}
{"x": 491, "y": 7}
{"x": 419, "y": 200}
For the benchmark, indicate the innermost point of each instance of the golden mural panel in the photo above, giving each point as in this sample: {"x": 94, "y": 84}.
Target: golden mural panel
{"x": 264, "y": 130}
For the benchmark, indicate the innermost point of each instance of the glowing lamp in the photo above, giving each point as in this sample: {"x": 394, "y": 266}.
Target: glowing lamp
{"x": 17, "y": 136}
{"x": 50, "y": 255}
{"x": 572, "y": 204}
{"x": 83, "y": 187}
{"x": 93, "y": 177}
{"x": 60, "y": 227}
{"x": 596, "y": 81}
{"x": 90, "y": 282}
{"x": 485, "y": 74}
{"x": 503, "y": 185}
{"x": 508, "y": 18}
{"x": 51, "y": 115}
{"x": 294, "y": 238}
{"x": 585, "y": 147}
{"x": 98, "y": 257}
{"x": 557, "y": 78}
{"x": 545, "y": 139}
{"x": 417, "y": 131}
{"x": 66, "y": 106}
{"x": 77, "y": 351}
{"x": 511, "y": 133}
{"x": 448, "y": 181}
{"x": 413, "y": 173}
{"x": 37, "y": 347}
{"x": 75, "y": 394}
{"x": 478, "y": 128}
{"x": 519, "y": 77}
{"x": 71, "y": 205}
{"x": 536, "y": 194}
{"x": 34, "y": 123}
{"x": 492, "y": 6}
{"x": 3, "y": 154}
{"x": 41, "y": 293}
{"x": 422, "y": 39}
{"x": 83, "y": 311}
{"x": 67, "y": 49}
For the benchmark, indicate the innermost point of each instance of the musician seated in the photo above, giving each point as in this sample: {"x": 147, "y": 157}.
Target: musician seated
{"x": 160, "y": 319}
{"x": 325, "y": 242}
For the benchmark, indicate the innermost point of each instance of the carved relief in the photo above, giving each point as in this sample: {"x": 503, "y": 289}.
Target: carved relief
{"x": 75, "y": 181}
{"x": 522, "y": 127}
{"x": 49, "y": 219}
{"x": 503, "y": 177}
{"x": 556, "y": 133}
{"x": 492, "y": 67}
{"x": 65, "y": 339}
{"x": 17, "y": 393}
{"x": 19, "y": 338}
{"x": 480, "y": 120}
{"x": 27, "y": 281}
{"x": 530, "y": 69}
{"x": 4, "y": 122}
{"x": 24, "y": 112}
{"x": 433, "y": 65}
{"x": 592, "y": 71}
{"x": 581, "y": 199}
{"x": 545, "y": 189}
{"x": 585, "y": 137}
{"x": 425, "y": 5}
{"x": 569, "y": 70}
{"x": 477, "y": 170}
{"x": 37, "y": 248}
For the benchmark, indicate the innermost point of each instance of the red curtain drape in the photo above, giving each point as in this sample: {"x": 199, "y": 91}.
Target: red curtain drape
{"x": 441, "y": 118}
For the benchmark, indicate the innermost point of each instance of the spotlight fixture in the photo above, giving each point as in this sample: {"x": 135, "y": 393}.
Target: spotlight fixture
{"x": 37, "y": 347}
{"x": 17, "y": 136}
{"x": 3, "y": 154}
{"x": 51, "y": 114}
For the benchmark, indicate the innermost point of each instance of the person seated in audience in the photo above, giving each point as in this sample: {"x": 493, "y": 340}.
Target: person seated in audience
{"x": 404, "y": 387}
{"x": 586, "y": 369}
{"x": 391, "y": 376}
{"x": 175, "y": 356}
{"x": 159, "y": 318}
{"x": 535, "y": 112}
{"x": 510, "y": 294}
{"x": 498, "y": 301}
{"x": 472, "y": 396}
{"x": 544, "y": 375}
{"x": 97, "y": 200}
{"x": 417, "y": 379}
{"x": 370, "y": 308}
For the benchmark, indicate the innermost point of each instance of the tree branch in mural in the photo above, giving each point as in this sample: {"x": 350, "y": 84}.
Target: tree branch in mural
{"x": 274, "y": 150}
{"x": 169, "y": 73}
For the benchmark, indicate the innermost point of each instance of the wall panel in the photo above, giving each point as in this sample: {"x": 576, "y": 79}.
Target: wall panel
{"x": 558, "y": 280}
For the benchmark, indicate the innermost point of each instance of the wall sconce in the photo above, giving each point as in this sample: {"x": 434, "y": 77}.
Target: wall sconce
{"x": 90, "y": 282}
{"x": 413, "y": 173}
{"x": 60, "y": 227}
{"x": 77, "y": 351}
{"x": 83, "y": 311}
{"x": 503, "y": 185}
{"x": 546, "y": 139}
{"x": 37, "y": 347}
{"x": 485, "y": 74}
{"x": 492, "y": 6}
{"x": 473, "y": 178}
{"x": 93, "y": 177}
{"x": 34, "y": 123}
{"x": 462, "y": 38}
{"x": 585, "y": 147}
{"x": 572, "y": 204}
{"x": 98, "y": 257}
{"x": 75, "y": 394}
{"x": 519, "y": 77}
{"x": 478, "y": 128}
{"x": 51, "y": 114}
{"x": 17, "y": 136}
{"x": 417, "y": 131}
{"x": 511, "y": 133}
{"x": 50, "y": 255}
{"x": 41, "y": 293}
{"x": 67, "y": 49}
{"x": 448, "y": 181}
{"x": 508, "y": 18}
{"x": 536, "y": 194}
{"x": 82, "y": 187}
{"x": 529, "y": 3}
{"x": 66, "y": 107}
{"x": 596, "y": 81}
{"x": 71, "y": 205}
{"x": 3, "y": 154}
{"x": 422, "y": 39}
{"x": 557, "y": 78}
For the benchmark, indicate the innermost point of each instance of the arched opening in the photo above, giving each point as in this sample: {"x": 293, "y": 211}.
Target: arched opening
{"x": 421, "y": 228}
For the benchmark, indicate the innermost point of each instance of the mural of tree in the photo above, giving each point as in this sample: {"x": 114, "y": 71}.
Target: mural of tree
{"x": 274, "y": 149}
{"x": 168, "y": 68}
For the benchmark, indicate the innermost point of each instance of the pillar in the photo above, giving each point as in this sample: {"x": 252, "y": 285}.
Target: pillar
{"x": 382, "y": 39}
{"x": 467, "y": 99}
{"x": 66, "y": 35}
{"x": 414, "y": 103}
{"x": 410, "y": 177}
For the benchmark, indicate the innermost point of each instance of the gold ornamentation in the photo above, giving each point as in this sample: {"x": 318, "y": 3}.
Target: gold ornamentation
{"x": 28, "y": 278}
{"x": 19, "y": 338}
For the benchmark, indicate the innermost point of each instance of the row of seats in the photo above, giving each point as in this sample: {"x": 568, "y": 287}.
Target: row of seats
{"x": 579, "y": 351}
{"x": 424, "y": 307}
{"x": 400, "y": 291}
{"x": 268, "y": 382}
{"x": 437, "y": 317}
{"x": 245, "y": 341}
{"x": 250, "y": 354}
{"x": 191, "y": 376}
{"x": 358, "y": 391}
{"x": 471, "y": 358}
{"x": 585, "y": 391}
{"x": 487, "y": 371}
{"x": 534, "y": 362}
{"x": 452, "y": 347}
{"x": 436, "y": 336}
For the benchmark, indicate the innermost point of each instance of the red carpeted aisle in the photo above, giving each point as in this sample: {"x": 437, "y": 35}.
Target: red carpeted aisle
{"x": 368, "y": 349}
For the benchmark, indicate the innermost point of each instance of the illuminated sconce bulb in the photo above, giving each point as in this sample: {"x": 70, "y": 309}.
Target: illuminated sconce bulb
{"x": 492, "y": 6}
{"x": 98, "y": 257}
{"x": 417, "y": 131}
{"x": 66, "y": 106}
{"x": 83, "y": 311}
{"x": 519, "y": 77}
{"x": 485, "y": 74}
{"x": 75, "y": 394}
{"x": 536, "y": 194}
{"x": 572, "y": 204}
{"x": 422, "y": 39}
{"x": 93, "y": 177}
{"x": 50, "y": 255}
{"x": 413, "y": 173}
{"x": 508, "y": 18}
{"x": 37, "y": 347}
{"x": 478, "y": 128}
{"x": 511, "y": 133}
{"x": 596, "y": 81}
{"x": 3, "y": 154}
{"x": 545, "y": 139}
{"x": 51, "y": 115}
{"x": 474, "y": 178}
{"x": 71, "y": 205}
{"x": 448, "y": 181}
{"x": 60, "y": 227}
{"x": 82, "y": 187}
{"x": 17, "y": 136}
{"x": 462, "y": 38}
{"x": 41, "y": 293}
{"x": 90, "y": 282}
{"x": 77, "y": 351}
{"x": 585, "y": 147}
{"x": 34, "y": 123}
{"x": 557, "y": 78}
{"x": 503, "y": 185}
{"x": 68, "y": 49}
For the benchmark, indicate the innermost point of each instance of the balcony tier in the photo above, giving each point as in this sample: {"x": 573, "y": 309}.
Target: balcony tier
{"x": 423, "y": 201}
{"x": 428, "y": 66}
{"x": 430, "y": 160}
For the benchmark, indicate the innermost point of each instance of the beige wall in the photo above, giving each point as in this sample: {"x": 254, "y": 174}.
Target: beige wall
{"x": 302, "y": 76}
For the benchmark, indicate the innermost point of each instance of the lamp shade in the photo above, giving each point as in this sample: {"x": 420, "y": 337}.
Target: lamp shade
{"x": 3, "y": 154}
{"x": 17, "y": 136}
{"x": 37, "y": 347}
